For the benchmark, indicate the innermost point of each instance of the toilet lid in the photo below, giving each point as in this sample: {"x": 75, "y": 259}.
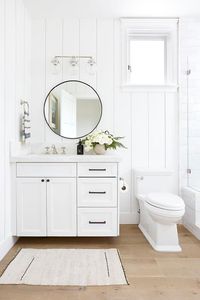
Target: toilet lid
{"x": 165, "y": 201}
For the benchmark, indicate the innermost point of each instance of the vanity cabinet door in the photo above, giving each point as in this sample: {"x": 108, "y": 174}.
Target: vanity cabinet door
{"x": 31, "y": 207}
{"x": 61, "y": 207}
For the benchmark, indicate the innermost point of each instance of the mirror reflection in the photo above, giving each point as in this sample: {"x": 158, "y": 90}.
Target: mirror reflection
{"x": 72, "y": 109}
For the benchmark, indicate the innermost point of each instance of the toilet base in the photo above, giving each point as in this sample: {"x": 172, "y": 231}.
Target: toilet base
{"x": 159, "y": 246}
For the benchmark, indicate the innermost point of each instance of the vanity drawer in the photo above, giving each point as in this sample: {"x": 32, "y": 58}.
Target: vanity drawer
{"x": 97, "y": 170}
{"x": 97, "y": 222}
{"x": 97, "y": 192}
{"x": 46, "y": 170}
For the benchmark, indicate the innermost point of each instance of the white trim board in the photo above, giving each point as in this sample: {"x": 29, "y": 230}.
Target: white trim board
{"x": 193, "y": 229}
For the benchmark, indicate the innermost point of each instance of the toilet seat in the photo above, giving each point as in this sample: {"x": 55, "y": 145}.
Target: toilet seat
{"x": 164, "y": 216}
{"x": 165, "y": 201}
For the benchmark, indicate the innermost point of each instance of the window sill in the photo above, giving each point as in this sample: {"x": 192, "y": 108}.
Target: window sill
{"x": 149, "y": 88}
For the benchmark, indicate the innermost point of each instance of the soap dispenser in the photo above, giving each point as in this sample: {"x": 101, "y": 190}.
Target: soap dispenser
{"x": 80, "y": 148}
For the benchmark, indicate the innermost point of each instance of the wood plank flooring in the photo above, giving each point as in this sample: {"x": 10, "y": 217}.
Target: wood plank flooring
{"x": 152, "y": 275}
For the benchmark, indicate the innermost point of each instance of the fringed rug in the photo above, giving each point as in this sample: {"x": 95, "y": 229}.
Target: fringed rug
{"x": 79, "y": 267}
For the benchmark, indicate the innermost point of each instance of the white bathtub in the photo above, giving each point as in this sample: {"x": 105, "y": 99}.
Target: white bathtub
{"x": 191, "y": 219}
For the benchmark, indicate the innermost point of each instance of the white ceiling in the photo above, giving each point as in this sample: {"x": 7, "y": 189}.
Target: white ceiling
{"x": 113, "y": 8}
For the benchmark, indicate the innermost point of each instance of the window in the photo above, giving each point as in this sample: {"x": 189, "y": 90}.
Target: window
{"x": 147, "y": 61}
{"x": 149, "y": 52}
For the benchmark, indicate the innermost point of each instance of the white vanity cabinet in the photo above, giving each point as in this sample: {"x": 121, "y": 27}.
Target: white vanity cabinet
{"x": 46, "y": 206}
{"x": 67, "y": 198}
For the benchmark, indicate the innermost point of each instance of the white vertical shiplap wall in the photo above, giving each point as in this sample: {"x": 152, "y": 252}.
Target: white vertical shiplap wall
{"x": 38, "y": 79}
{"x": 148, "y": 120}
{"x": 15, "y": 83}
{"x": 88, "y": 32}
{"x": 105, "y": 70}
{"x": 2, "y": 120}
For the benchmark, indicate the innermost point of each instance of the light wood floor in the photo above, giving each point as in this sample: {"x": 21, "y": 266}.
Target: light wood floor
{"x": 152, "y": 275}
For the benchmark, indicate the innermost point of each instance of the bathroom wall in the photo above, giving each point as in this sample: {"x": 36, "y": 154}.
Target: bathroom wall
{"x": 148, "y": 119}
{"x": 14, "y": 85}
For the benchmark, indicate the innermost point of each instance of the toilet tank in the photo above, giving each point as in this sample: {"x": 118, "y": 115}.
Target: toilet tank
{"x": 150, "y": 181}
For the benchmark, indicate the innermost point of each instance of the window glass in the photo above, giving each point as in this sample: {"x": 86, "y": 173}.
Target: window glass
{"x": 147, "y": 61}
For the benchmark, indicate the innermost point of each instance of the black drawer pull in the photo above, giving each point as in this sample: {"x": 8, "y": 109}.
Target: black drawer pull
{"x": 48, "y": 180}
{"x": 100, "y": 222}
{"x": 97, "y": 192}
{"x": 97, "y": 169}
{"x": 42, "y": 180}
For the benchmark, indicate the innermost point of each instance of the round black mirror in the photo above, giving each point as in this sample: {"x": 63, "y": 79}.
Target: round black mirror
{"x": 72, "y": 109}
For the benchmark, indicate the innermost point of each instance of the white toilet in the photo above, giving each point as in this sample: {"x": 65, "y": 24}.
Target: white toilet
{"x": 160, "y": 208}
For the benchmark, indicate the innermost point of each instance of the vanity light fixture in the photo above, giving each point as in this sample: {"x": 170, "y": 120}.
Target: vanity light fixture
{"x": 74, "y": 62}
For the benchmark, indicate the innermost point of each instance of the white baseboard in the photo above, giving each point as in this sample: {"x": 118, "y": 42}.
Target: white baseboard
{"x": 6, "y": 245}
{"x": 129, "y": 218}
{"x": 193, "y": 229}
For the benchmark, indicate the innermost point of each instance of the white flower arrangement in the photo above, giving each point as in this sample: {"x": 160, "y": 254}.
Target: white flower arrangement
{"x": 101, "y": 138}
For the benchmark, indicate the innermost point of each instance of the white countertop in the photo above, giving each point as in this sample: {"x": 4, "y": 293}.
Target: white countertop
{"x": 63, "y": 158}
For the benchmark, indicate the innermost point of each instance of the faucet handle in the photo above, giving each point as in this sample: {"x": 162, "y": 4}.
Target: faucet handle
{"x": 54, "y": 150}
{"x": 47, "y": 150}
{"x": 63, "y": 150}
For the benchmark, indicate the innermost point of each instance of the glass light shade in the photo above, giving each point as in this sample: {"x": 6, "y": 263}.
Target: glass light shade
{"x": 55, "y": 66}
{"x": 74, "y": 66}
{"x": 91, "y": 66}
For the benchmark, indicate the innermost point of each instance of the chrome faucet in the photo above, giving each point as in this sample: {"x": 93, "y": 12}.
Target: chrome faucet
{"x": 54, "y": 150}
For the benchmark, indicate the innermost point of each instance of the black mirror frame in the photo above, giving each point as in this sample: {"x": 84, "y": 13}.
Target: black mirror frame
{"x": 71, "y": 138}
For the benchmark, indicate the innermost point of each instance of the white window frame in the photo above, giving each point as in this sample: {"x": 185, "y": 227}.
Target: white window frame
{"x": 166, "y": 28}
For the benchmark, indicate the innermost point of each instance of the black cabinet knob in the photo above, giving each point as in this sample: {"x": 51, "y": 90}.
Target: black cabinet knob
{"x": 48, "y": 180}
{"x": 42, "y": 180}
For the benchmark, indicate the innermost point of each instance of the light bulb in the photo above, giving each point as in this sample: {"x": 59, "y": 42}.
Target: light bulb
{"x": 55, "y": 65}
{"x": 91, "y": 66}
{"x": 74, "y": 67}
